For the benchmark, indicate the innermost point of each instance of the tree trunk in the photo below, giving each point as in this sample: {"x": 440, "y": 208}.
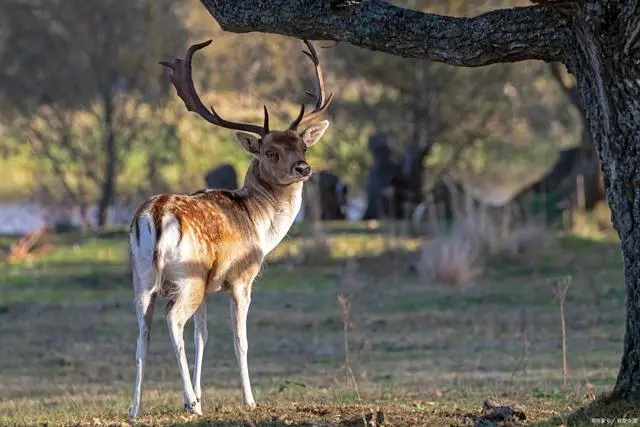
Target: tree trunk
{"x": 155, "y": 182}
{"x": 622, "y": 182}
{"x": 109, "y": 174}
{"x": 608, "y": 75}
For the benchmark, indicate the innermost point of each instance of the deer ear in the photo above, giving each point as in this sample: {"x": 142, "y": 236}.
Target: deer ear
{"x": 249, "y": 142}
{"x": 312, "y": 134}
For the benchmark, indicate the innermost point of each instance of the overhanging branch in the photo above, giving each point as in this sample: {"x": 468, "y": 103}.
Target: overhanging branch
{"x": 503, "y": 35}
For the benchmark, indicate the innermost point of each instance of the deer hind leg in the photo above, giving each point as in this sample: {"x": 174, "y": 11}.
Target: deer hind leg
{"x": 180, "y": 309}
{"x": 200, "y": 335}
{"x": 145, "y": 285}
{"x": 145, "y": 302}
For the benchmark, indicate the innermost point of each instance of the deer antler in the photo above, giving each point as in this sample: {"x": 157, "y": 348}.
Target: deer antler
{"x": 321, "y": 104}
{"x": 183, "y": 82}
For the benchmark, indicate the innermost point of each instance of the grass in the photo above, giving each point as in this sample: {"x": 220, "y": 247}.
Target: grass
{"x": 422, "y": 354}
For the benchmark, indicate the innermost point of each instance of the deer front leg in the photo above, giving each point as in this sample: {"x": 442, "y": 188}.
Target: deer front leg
{"x": 240, "y": 300}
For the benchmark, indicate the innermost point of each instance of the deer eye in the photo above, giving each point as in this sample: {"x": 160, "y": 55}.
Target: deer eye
{"x": 271, "y": 155}
{"x": 304, "y": 150}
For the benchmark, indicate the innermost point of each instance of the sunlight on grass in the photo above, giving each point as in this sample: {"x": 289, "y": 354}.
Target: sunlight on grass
{"x": 343, "y": 246}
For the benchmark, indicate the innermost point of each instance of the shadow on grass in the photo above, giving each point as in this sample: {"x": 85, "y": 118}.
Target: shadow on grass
{"x": 338, "y": 227}
{"x": 316, "y": 415}
{"x": 605, "y": 409}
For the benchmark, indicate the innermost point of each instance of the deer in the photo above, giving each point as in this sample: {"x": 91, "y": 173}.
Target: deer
{"x": 184, "y": 247}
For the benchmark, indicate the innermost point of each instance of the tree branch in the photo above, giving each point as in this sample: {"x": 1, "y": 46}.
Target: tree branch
{"x": 504, "y": 35}
{"x": 457, "y": 154}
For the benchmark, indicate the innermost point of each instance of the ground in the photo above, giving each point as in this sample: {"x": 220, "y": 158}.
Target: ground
{"x": 421, "y": 353}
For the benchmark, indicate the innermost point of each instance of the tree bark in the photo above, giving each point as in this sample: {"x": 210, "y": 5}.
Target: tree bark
{"x": 598, "y": 40}
{"x": 504, "y": 35}
{"x": 606, "y": 63}
{"x": 109, "y": 174}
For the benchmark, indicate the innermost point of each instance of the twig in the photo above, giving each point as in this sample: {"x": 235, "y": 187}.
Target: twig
{"x": 344, "y": 301}
{"x": 26, "y": 246}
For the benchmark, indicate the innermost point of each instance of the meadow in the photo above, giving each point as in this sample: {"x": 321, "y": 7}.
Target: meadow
{"x": 339, "y": 333}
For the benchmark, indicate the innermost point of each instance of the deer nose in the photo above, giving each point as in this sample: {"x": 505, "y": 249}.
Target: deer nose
{"x": 303, "y": 168}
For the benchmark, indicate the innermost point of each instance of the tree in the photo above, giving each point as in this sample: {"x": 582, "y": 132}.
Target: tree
{"x": 83, "y": 82}
{"x": 425, "y": 107}
{"x": 597, "y": 40}
{"x": 445, "y": 118}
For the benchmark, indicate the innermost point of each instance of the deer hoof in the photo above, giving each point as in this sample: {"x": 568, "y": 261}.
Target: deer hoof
{"x": 194, "y": 407}
{"x": 133, "y": 411}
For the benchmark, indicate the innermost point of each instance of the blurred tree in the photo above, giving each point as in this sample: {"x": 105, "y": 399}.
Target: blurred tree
{"x": 504, "y": 118}
{"x": 83, "y": 84}
{"x": 590, "y": 165}
{"x": 575, "y": 179}
{"x": 469, "y": 122}
{"x": 438, "y": 113}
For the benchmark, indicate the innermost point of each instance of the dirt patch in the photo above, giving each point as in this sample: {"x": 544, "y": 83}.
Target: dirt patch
{"x": 495, "y": 413}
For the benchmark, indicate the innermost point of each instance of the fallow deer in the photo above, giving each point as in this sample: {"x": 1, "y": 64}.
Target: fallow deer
{"x": 185, "y": 246}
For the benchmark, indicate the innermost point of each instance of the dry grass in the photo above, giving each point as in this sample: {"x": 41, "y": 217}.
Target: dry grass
{"x": 459, "y": 255}
{"x": 455, "y": 258}
{"x": 26, "y": 247}
{"x": 434, "y": 354}
{"x": 560, "y": 288}
{"x": 528, "y": 241}
{"x": 592, "y": 225}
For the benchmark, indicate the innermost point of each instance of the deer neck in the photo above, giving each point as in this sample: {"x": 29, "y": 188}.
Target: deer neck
{"x": 273, "y": 207}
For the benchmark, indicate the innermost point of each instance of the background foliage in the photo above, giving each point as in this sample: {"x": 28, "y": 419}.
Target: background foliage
{"x": 77, "y": 72}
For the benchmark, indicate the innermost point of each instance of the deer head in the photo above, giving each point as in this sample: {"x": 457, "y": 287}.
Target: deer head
{"x": 280, "y": 153}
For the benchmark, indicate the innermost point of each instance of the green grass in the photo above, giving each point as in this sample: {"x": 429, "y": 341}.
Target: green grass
{"x": 425, "y": 354}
